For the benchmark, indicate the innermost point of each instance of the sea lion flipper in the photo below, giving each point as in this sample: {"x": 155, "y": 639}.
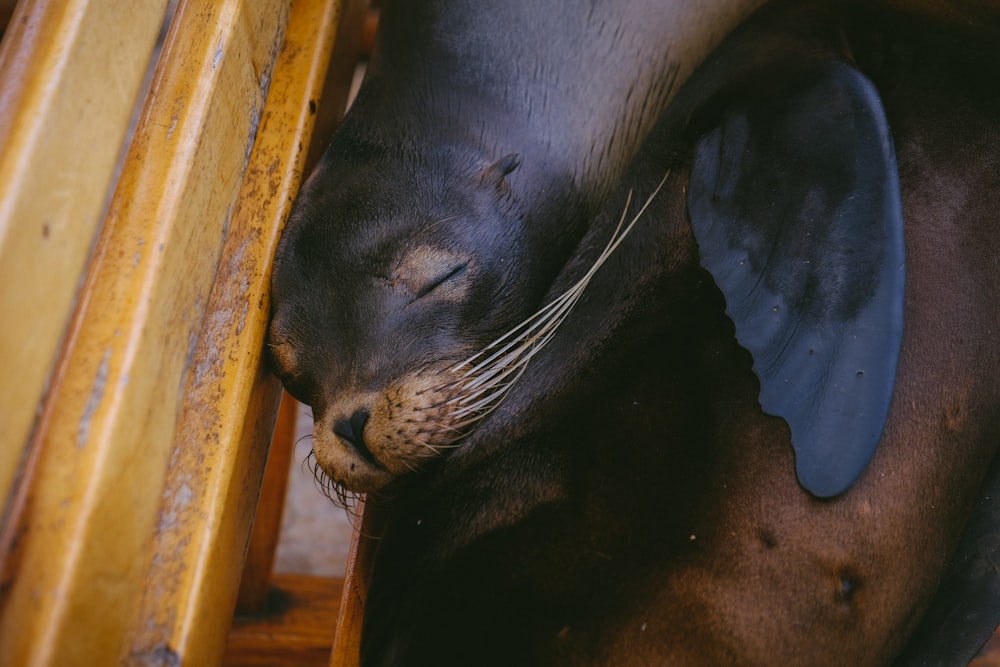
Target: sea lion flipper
{"x": 794, "y": 201}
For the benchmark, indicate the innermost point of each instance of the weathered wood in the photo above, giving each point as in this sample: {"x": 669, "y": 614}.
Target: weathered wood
{"x": 347, "y": 49}
{"x": 329, "y": 106}
{"x": 69, "y": 82}
{"x": 100, "y": 453}
{"x": 226, "y": 418}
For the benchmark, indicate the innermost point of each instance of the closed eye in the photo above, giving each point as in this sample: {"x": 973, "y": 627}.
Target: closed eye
{"x": 441, "y": 279}
{"x": 424, "y": 269}
{"x": 301, "y": 387}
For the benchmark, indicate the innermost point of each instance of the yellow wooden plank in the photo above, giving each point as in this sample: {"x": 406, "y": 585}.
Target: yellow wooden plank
{"x": 104, "y": 438}
{"x": 229, "y": 403}
{"x": 69, "y": 82}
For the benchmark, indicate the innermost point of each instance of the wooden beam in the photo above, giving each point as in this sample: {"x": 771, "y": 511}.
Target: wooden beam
{"x": 69, "y": 82}
{"x": 989, "y": 655}
{"x": 87, "y": 511}
{"x": 369, "y": 523}
{"x": 259, "y": 564}
{"x": 227, "y": 414}
{"x": 329, "y": 105}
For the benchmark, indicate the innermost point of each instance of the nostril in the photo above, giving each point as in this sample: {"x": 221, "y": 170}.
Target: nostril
{"x": 353, "y": 431}
{"x": 358, "y": 421}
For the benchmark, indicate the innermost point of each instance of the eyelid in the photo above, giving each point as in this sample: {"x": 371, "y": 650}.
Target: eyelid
{"x": 424, "y": 268}
{"x": 303, "y": 388}
{"x": 444, "y": 277}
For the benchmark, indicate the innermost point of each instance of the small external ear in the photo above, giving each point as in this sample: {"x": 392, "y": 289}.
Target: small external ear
{"x": 494, "y": 175}
{"x": 794, "y": 201}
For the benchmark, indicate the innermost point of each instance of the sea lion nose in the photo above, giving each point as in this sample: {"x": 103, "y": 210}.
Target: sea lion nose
{"x": 353, "y": 432}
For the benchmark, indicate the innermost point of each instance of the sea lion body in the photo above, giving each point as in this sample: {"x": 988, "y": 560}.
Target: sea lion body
{"x": 628, "y": 502}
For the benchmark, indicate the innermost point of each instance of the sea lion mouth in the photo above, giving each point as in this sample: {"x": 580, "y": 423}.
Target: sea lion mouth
{"x": 366, "y": 440}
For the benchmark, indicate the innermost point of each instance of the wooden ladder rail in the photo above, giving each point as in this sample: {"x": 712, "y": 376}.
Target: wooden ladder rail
{"x": 136, "y": 432}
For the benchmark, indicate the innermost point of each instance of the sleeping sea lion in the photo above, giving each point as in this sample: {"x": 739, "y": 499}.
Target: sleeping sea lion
{"x": 722, "y": 393}
{"x": 464, "y": 208}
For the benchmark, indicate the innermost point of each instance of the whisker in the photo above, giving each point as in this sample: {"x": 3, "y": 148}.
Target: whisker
{"x": 489, "y": 374}
{"x": 486, "y": 405}
{"x": 336, "y": 493}
{"x": 538, "y": 319}
{"x": 501, "y": 374}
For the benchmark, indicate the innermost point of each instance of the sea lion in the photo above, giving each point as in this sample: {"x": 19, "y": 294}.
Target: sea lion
{"x": 484, "y": 189}
{"x": 627, "y": 500}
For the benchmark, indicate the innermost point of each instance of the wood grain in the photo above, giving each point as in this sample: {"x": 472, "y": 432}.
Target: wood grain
{"x": 88, "y": 509}
{"x": 229, "y": 400}
{"x": 256, "y": 580}
{"x": 295, "y": 629}
{"x": 69, "y": 84}
{"x": 369, "y": 525}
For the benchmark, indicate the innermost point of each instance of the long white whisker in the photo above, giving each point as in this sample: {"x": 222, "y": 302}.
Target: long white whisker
{"x": 490, "y": 373}
{"x": 513, "y": 351}
{"x": 530, "y": 323}
{"x": 486, "y": 405}
{"x": 554, "y": 314}
{"x": 537, "y": 320}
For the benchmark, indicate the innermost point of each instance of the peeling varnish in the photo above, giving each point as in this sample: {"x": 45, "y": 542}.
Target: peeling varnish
{"x": 94, "y": 400}
{"x": 179, "y": 503}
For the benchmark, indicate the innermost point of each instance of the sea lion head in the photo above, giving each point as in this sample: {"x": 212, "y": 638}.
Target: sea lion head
{"x": 391, "y": 279}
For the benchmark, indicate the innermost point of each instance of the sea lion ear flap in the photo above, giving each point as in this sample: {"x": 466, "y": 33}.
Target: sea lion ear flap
{"x": 495, "y": 175}
{"x": 794, "y": 201}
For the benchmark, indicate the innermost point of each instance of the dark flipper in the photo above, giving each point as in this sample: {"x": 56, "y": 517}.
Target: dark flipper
{"x": 794, "y": 200}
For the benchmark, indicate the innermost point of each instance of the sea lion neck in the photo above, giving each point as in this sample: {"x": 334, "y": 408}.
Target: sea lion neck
{"x": 506, "y": 78}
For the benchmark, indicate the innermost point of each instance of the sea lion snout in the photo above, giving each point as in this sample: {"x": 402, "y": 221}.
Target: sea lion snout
{"x": 345, "y": 458}
{"x": 365, "y": 439}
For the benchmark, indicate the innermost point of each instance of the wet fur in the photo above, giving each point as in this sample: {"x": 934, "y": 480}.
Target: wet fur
{"x": 644, "y": 510}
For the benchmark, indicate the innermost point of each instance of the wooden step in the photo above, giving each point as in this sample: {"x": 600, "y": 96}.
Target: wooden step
{"x": 295, "y": 628}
